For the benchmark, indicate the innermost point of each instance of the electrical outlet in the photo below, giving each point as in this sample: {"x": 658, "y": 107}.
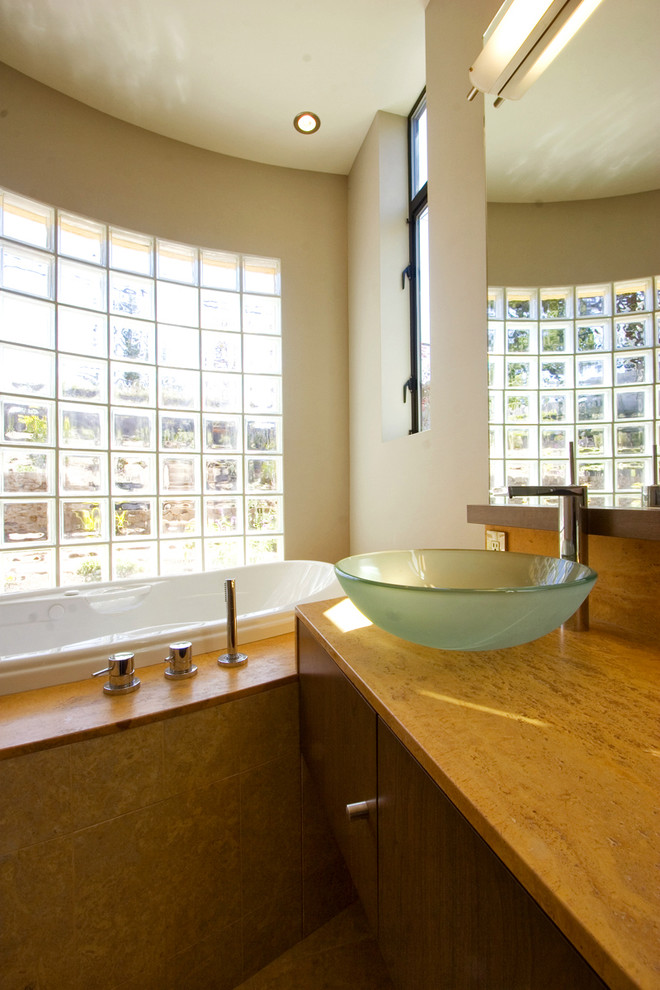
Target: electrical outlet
{"x": 495, "y": 540}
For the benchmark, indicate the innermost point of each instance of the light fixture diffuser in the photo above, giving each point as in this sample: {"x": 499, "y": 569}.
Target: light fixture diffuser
{"x": 306, "y": 122}
{"x": 522, "y": 40}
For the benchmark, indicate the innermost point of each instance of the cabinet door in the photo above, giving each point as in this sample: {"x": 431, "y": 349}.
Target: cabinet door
{"x": 338, "y": 741}
{"x": 451, "y": 916}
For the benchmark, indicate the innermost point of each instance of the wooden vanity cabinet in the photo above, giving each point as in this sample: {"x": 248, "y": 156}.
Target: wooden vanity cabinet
{"x": 338, "y": 742}
{"x": 449, "y": 915}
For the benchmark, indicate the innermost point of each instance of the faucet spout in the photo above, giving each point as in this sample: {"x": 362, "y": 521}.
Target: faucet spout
{"x": 572, "y": 531}
{"x": 232, "y": 658}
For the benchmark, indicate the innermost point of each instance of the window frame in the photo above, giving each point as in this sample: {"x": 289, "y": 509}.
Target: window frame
{"x": 417, "y": 206}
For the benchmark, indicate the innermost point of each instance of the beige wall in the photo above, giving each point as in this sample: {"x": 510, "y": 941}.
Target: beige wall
{"x": 413, "y": 490}
{"x": 62, "y": 152}
{"x": 574, "y": 243}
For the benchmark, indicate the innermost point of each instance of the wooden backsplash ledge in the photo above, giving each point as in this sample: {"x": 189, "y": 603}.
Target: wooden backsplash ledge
{"x": 627, "y": 592}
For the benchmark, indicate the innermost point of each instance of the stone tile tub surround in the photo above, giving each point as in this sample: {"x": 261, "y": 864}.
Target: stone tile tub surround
{"x": 152, "y": 841}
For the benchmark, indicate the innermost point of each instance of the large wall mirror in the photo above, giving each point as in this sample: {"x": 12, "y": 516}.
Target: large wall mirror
{"x": 573, "y": 172}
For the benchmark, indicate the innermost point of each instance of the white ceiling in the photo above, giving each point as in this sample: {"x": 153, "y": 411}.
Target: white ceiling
{"x": 229, "y": 76}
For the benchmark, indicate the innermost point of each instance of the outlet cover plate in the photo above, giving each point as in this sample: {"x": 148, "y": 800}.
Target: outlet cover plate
{"x": 495, "y": 540}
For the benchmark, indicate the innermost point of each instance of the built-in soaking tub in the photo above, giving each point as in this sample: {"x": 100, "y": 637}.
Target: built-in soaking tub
{"x": 64, "y": 635}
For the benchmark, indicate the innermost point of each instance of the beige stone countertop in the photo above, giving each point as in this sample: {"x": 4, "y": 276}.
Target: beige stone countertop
{"x": 551, "y": 752}
{"x": 53, "y": 716}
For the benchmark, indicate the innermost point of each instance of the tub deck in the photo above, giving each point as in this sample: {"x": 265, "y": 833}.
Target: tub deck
{"x": 54, "y": 716}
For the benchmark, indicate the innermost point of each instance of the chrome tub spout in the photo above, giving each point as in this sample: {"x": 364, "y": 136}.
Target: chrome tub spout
{"x": 231, "y": 658}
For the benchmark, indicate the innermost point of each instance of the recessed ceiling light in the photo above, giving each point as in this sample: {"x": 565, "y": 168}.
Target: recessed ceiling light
{"x": 306, "y": 122}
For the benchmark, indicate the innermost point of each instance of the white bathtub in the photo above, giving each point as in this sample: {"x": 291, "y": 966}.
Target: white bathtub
{"x": 64, "y": 635}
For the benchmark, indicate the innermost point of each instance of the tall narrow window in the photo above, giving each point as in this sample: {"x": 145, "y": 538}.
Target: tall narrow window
{"x": 140, "y": 403}
{"x": 419, "y": 382}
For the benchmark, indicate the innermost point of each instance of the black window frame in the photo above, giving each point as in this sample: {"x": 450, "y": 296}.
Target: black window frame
{"x": 417, "y": 204}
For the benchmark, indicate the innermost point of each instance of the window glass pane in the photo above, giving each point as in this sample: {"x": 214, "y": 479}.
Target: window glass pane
{"x": 82, "y": 239}
{"x": 179, "y": 473}
{"x": 27, "y": 221}
{"x": 263, "y": 433}
{"x": 28, "y": 423}
{"x": 179, "y": 432}
{"x": 83, "y": 379}
{"x": 222, "y": 432}
{"x": 263, "y": 394}
{"x": 133, "y": 385}
{"x": 177, "y": 262}
{"x": 84, "y": 565}
{"x": 27, "y": 321}
{"x": 261, "y": 314}
{"x": 180, "y": 556}
{"x": 261, "y": 275}
{"x": 178, "y": 347}
{"x": 261, "y": 549}
{"x": 178, "y": 389}
{"x": 262, "y": 355}
{"x": 224, "y": 553}
{"x": 132, "y": 340}
{"x": 131, "y": 252}
{"x": 222, "y": 474}
{"x": 83, "y": 520}
{"x": 131, "y": 295}
{"x": 81, "y": 285}
{"x": 27, "y": 570}
{"x": 263, "y": 474}
{"x": 26, "y": 472}
{"x": 223, "y": 393}
{"x": 27, "y": 271}
{"x": 220, "y": 310}
{"x": 424, "y": 319}
{"x": 419, "y": 148}
{"x": 133, "y": 473}
{"x": 82, "y": 332}
{"x": 82, "y": 472}
{"x": 178, "y": 304}
{"x": 133, "y": 430}
{"x": 263, "y": 514}
{"x": 27, "y": 371}
{"x": 219, "y": 270}
{"x": 82, "y": 426}
{"x": 221, "y": 351}
{"x": 27, "y": 522}
{"x": 633, "y": 297}
{"x": 179, "y": 516}
{"x": 223, "y": 516}
{"x": 133, "y": 519}
{"x": 130, "y": 560}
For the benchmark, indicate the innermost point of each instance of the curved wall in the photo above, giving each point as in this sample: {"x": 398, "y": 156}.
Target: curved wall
{"x": 574, "y": 243}
{"x": 64, "y": 153}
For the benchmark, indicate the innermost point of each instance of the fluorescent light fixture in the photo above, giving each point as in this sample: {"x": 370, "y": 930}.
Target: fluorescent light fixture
{"x": 521, "y": 42}
{"x": 306, "y": 122}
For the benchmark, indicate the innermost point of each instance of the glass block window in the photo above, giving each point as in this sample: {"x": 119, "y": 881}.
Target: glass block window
{"x": 575, "y": 365}
{"x": 140, "y": 400}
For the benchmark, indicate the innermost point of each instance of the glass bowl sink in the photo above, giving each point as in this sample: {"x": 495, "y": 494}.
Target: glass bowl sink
{"x": 464, "y": 599}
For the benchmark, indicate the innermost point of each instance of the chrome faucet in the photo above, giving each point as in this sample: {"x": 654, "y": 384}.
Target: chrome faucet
{"x": 572, "y": 532}
{"x": 651, "y": 494}
{"x": 232, "y": 658}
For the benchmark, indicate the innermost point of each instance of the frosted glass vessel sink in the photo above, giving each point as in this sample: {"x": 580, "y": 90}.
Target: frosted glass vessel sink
{"x": 464, "y": 599}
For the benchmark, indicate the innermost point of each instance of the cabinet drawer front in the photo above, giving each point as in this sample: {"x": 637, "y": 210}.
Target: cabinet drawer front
{"x": 451, "y": 916}
{"x": 338, "y": 741}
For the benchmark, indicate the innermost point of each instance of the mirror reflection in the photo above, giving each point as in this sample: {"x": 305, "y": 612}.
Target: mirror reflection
{"x": 573, "y": 264}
